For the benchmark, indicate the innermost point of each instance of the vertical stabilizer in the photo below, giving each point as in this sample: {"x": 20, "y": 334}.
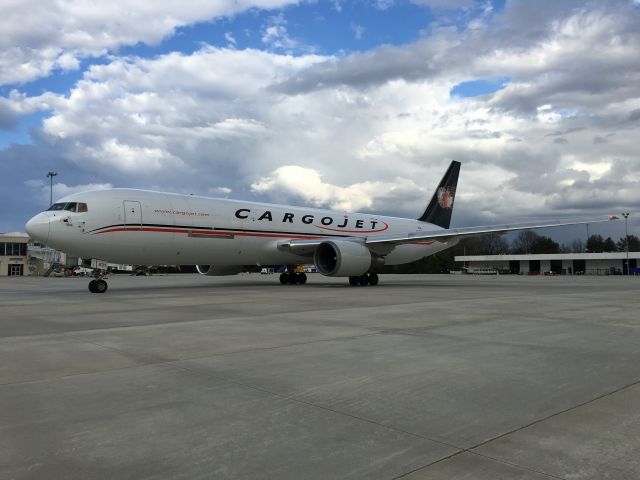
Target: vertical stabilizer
{"x": 440, "y": 207}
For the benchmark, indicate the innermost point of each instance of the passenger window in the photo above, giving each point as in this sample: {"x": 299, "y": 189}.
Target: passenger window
{"x": 82, "y": 207}
{"x": 71, "y": 206}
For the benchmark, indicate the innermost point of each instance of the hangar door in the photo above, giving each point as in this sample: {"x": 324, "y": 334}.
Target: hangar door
{"x": 534, "y": 266}
{"x": 556, "y": 266}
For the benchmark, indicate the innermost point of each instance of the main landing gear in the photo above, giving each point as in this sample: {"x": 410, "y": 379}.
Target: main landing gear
{"x": 364, "y": 280}
{"x": 99, "y": 285}
{"x": 288, "y": 278}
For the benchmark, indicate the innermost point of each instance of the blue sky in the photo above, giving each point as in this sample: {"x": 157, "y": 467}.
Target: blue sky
{"x": 355, "y": 105}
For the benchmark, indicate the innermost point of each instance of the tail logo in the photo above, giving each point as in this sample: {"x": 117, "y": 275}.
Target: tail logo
{"x": 445, "y": 196}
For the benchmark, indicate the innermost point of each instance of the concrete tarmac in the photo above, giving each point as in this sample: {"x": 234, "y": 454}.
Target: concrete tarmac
{"x": 422, "y": 377}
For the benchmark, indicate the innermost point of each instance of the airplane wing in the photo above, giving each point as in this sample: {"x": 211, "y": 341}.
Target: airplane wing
{"x": 465, "y": 232}
{"x": 386, "y": 243}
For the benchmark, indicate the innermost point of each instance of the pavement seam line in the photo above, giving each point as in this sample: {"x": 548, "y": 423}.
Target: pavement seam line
{"x": 566, "y": 410}
{"x": 153, "y": 362}
{"x": 515, "y": 430}
{"x": 176, "y": 364}
{"x": 455, "y": 454}
{"x": 292, "y": 398}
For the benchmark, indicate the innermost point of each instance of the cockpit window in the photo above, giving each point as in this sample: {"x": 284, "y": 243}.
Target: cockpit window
{"x": 70, "y": 206}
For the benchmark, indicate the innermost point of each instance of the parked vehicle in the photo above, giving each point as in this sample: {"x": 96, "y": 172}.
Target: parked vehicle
{"x": 82, "y": 271}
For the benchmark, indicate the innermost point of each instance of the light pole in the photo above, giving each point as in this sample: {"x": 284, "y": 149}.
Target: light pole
{"x": 587, "y": 234}
{"x": 51, "y": 175}
{"x": 626, "y": 235}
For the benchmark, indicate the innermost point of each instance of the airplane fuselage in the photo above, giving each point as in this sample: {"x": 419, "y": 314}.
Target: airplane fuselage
{"x": 155, "y": 228}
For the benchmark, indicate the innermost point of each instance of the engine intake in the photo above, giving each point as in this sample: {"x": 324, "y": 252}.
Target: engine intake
{"x": 218, "y": 271}
{"x": 336, "y": 258}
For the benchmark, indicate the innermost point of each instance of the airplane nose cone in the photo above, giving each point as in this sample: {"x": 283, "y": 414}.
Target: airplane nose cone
{"x": 38, "y": 227}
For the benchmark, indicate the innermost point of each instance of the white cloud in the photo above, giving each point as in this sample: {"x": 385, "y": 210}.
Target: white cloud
{"x": 595, "y": 170}
{"x": 449, "y": 4}
{"x": 38, "y": 37}
{"x": 231, "y": 41}
{"x": 358, "y": 30}
{"x": 383, "y": 4}
{"x": 276, "y": 37}
{"x": 219, "y": 191}
{"x": 307, "y": 184}
{"x": 131, "y": 158}
{"x": 61, "y": 190}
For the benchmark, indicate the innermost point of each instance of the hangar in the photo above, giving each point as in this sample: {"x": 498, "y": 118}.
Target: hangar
{"x": 611, "y": 263}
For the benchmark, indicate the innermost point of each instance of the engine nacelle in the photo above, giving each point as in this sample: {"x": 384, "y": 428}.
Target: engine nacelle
{"x": 342, "y": 258}
{"x": 218, "y": 271}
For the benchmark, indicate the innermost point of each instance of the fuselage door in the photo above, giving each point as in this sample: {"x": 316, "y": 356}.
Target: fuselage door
{"x": 132, "y": 214}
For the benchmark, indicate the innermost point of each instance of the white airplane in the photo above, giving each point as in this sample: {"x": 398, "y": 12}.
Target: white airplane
{"x": 221, "y": 236}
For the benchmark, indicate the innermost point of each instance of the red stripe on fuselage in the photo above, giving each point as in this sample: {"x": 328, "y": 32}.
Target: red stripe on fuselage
{"x": 225, "y": 232}
{"x": 203, "y": 232}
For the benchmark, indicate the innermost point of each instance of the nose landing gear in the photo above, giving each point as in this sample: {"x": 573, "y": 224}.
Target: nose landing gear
{"x": 99, "y": 285}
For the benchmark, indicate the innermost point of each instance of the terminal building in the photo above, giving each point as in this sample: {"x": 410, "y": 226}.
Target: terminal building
{"x": 13, "y": 254}
{"x": 613, "y": 263}
{"x": 19, "y": 255}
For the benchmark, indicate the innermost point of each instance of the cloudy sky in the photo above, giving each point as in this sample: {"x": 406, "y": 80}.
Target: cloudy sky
{"x": 351, "y": 105}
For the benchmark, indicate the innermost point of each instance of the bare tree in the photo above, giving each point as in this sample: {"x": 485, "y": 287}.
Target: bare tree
{"x": 485, "y": 245}
{"x": 577, "y": 246}
{"x": 525, "y": 242}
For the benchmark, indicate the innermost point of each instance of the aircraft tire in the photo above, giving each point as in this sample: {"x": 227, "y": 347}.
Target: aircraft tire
{"x": 363, "y": 280}
{"x": 373, "y": 279}
{"x": 353, "y": 281}
{"x": 284, "y": 278}
{"x": 100, "y": 286}
{"x": 92, "y": 286}
{"x": 301, "y": 278}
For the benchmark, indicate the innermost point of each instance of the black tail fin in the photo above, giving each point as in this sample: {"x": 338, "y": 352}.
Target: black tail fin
{"x": 440, "y": 207}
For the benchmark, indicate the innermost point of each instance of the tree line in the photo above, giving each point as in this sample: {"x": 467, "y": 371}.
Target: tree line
{"x": 527, "y": 242}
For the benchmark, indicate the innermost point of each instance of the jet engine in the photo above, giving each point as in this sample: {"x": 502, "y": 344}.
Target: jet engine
{"x": 218, "y": 271}
{"x": 343, "y": 258}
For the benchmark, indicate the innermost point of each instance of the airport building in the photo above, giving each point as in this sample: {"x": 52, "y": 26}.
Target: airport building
{"x": 613, "y": 263}
{"x": 13, "y": 254}
{"x": 20, "y": 255}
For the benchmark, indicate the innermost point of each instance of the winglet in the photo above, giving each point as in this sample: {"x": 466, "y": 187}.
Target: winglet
{"x": 440, "y": 207}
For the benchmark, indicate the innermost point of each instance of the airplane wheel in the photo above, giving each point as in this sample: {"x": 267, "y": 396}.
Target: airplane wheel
{"x": 92, "y": 286}
{"x": 100, "y": 286}
{"x": 301, "y": 278}
{"x": 353, "y": 281}
{"x": 284, "y": 278}
{"x": 373, "y": 279}
{"x": 363, "y": 280}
